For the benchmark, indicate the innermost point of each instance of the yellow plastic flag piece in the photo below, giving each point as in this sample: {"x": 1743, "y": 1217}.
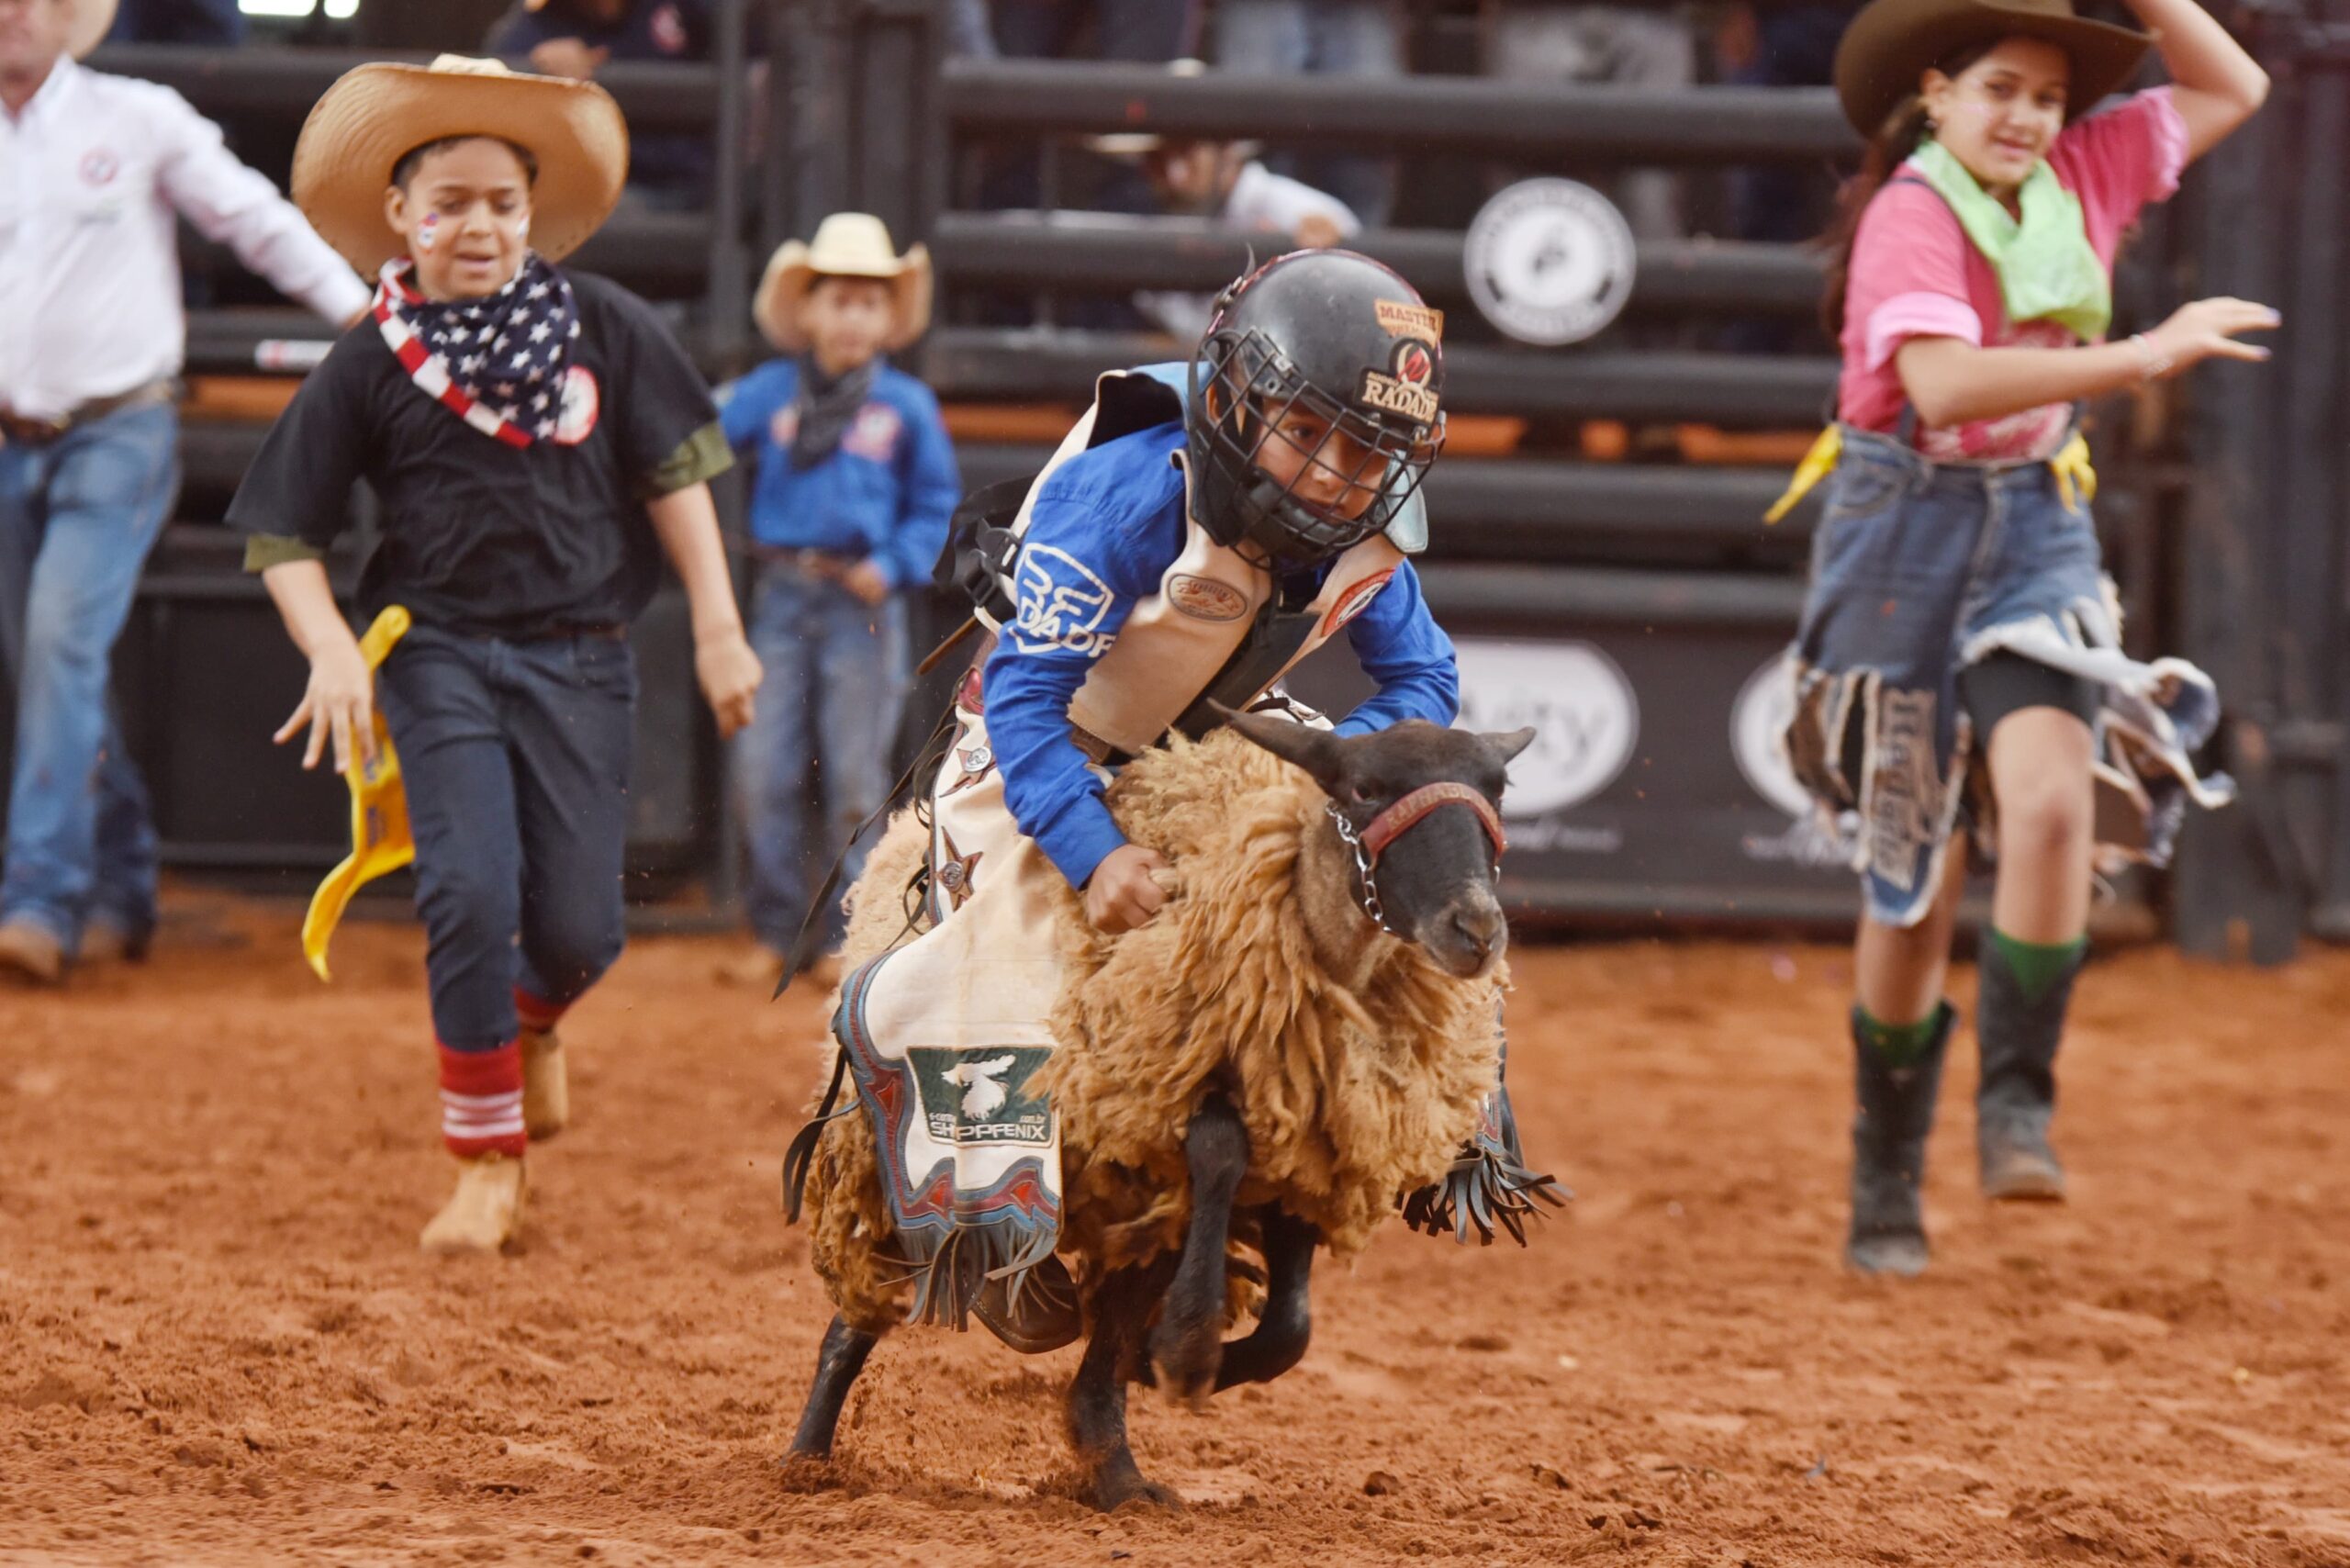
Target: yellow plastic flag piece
{"x": 1817, "y": 464}
{"x": 2075, "y": 478}
{"x": 379, "y": 835}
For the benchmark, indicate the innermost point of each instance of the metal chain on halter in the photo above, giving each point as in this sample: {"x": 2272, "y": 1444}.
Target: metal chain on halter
{"x": 1366, "y": 881}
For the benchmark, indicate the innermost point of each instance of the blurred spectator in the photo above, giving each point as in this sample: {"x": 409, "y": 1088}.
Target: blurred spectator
{"x": 100, "y": 169}
{"x": 1143, "y": 30}
{"x": 856, "y": 482}
{"x": 968, "y": 30}
{"x": 1615, "y": 45}
{"x": 1224, "y": 181}
{"x": 667, "y": 170}
{"x": 214, "y": 22}
{"x": 1320, "y": 37}
{"x": 1779, "y": 43}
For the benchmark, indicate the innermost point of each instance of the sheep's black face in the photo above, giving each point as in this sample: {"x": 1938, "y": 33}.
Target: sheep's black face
{"x": 1435, "y": 881}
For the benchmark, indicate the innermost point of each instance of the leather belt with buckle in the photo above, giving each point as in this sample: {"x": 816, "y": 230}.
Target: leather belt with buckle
{"x": 21, "y": 430}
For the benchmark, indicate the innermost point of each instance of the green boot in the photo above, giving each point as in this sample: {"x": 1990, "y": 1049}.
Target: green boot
{"x": 2020, "y": 1021}
{"x": 1895, "y": 1079}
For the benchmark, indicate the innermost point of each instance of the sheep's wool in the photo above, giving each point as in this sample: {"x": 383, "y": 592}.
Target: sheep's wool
{"x": 1353, "y": 1093}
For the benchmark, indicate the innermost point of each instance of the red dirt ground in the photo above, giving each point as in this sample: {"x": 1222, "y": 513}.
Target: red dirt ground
{"x": 218, "y": 1345}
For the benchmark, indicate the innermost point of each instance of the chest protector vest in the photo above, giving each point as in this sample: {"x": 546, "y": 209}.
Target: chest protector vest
{"x": 1214, "y": 629}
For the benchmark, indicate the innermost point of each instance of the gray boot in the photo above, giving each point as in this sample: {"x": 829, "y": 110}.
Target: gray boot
{"x": 1896, "y": 1112}
{"x": 2017, "y": 1097}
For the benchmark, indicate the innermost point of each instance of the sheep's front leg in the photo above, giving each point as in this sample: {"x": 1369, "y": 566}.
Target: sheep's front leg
{"x": 1189, "y": 1341}
{"x": 1278, "y": 1342}
{"x": 837, "y": 1365}
{"x": 1097, "y": 1399}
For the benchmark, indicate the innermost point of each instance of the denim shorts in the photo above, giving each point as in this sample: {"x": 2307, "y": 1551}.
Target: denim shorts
{"x": 1920, "y": 570}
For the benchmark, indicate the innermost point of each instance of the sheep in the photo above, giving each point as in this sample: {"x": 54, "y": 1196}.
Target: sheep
{"x": 1263, "y": 1065}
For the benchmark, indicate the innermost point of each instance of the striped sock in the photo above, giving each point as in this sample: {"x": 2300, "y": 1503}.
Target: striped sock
{"x": 481, "y": 1100}
{"x": 537, "y": 1013}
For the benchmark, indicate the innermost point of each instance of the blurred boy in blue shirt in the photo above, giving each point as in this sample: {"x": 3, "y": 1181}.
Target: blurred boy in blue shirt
{"x": 857, "y": 481}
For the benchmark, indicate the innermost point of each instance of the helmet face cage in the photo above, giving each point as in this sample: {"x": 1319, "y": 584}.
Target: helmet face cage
{"x": 1255, "y": 389}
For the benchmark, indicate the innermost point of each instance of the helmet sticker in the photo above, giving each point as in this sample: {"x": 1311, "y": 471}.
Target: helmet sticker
{"x": 1405, "y": 320}
{"x": 1402, "y": 388}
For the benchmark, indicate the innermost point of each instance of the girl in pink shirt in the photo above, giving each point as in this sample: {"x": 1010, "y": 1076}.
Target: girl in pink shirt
{"x": 1959, "y": 651}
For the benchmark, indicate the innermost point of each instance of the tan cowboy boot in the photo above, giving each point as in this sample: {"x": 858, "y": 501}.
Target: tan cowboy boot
{"x": 546, "y": 1085}
{"x": 485, "y": 1211}
{"x": 27, "y": 952}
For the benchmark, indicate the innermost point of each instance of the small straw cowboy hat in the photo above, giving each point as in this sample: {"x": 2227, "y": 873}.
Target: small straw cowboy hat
{"x": 376, "y": 114}
{"x": 92, "y": 18}
{"x": 848, "y": 244}
{"x": 1892, "y": 43}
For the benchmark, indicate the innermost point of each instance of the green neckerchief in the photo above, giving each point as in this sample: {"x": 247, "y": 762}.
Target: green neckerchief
{"x": 2047, "y": 269}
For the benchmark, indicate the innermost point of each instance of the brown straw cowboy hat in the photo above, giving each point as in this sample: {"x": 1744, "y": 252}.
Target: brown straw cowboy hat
{"x": 1892, "y": 43}
{"x": 848, "y": 244}
{"x": 92, "y": 18}
{"x": 376, "y": 114}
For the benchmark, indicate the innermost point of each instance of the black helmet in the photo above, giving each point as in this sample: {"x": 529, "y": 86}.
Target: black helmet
{"x": 1337, "y": 336}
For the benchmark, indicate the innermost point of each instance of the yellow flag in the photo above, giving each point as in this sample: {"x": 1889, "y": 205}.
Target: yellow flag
{"x": 379, "y": 836}
{"x": 1817, "y": 464}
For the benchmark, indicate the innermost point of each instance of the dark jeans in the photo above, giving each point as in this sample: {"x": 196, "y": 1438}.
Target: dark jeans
{"x": 516, "y": 758}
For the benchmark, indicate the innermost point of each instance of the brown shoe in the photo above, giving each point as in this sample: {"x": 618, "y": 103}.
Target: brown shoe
{"x": 546, "y": 1085}
{"x": 103, "y": 942}
{"x": 484, "y": 1214}
{"x": 29, "y": 953}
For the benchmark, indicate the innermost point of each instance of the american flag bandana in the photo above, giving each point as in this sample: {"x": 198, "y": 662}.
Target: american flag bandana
{"x": 498, "y": 364}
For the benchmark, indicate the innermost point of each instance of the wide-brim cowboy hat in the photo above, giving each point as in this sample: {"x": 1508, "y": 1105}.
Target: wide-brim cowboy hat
{"x": 848, "y": 244}
{"x": 376, "y": 114}
{"x": 1893, "y": 43}
{"x": 92, "y": 21}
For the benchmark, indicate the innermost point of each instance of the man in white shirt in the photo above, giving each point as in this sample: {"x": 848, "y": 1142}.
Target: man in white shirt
{"x": 93, "y": 170}
{"x": 1224, "y": 180}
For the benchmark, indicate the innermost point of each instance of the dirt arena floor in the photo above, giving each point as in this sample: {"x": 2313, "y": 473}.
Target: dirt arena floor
{"x": 219, "y": 1346}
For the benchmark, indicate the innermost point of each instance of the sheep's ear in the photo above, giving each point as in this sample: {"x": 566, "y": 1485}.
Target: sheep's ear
{"x": 1506, "y": 746}
{"x": 1316, "y": 750}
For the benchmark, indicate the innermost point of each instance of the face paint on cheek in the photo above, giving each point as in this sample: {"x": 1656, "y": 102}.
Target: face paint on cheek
{"x": 523, "y": 230}
{"x": 428, "y": 233}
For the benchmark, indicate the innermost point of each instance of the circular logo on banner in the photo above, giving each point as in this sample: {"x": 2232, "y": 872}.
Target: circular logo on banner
{"x": 1549, "y": 260}
{"x": 1757, "y": 720}
{"x": 1584, "y": 716}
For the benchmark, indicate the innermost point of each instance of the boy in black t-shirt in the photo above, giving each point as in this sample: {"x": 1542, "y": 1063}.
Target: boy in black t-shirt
{"x": 537, "y": 441}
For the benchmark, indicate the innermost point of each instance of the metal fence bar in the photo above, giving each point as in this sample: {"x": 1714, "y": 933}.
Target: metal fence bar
{"x": 1051, "y": 365}
{"x": 1537, "y": 123}
{"x": 1108, "y": 254}
{"x": 1544, "y": 510}
{"x": 284, "y": 83}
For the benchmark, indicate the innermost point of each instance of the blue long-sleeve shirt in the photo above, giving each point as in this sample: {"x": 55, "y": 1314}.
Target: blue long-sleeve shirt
{"x": 1104, "y": 528}
{"x": 886, "y": 492}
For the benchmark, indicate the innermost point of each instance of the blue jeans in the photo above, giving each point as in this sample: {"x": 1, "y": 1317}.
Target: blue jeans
{"x": 1320, "y": 37}
{"x": 827, "y": 714}
{"x": 516, "y": 757}
{"x": 77, "y": 516}
{"x": 1919, "y": 570}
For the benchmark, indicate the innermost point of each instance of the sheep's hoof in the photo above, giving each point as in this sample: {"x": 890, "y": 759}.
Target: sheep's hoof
{"x": 1184, "y": 1363}
{"x": 1118, "y": 1483}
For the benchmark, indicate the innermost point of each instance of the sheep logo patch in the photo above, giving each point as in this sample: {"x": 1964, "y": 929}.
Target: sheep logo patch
{"x": 979, "y": 1095}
